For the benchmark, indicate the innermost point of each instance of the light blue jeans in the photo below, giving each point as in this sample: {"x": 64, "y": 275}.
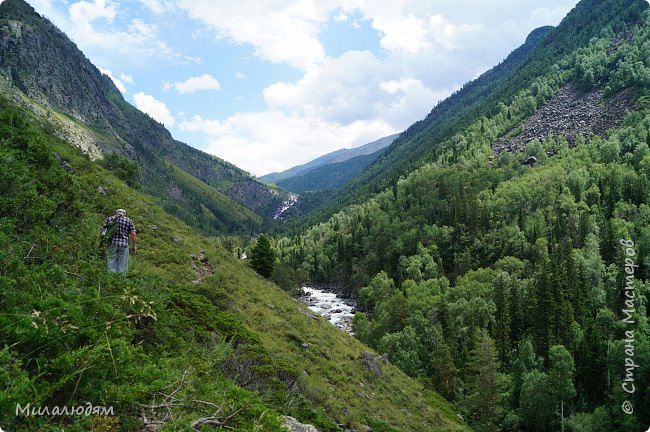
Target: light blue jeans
{"x": 118, "y": 259}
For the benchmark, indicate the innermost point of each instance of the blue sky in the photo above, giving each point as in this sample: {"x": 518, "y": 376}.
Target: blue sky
{"x": 270, "y": 84}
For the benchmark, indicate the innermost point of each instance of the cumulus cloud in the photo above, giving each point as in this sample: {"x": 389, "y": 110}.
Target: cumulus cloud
{"x": 403, "y": 34}
{"x": 430, "y": 50}
{"x": 203, "y": 82}
{"x": 449, "y": 35}
{"x": 253, "y": 141}
{"x": 279, "y": 30}
{"x": 393, "y": 86}
{"x": 155, "y": 108}
{"x": 358, "y": 86}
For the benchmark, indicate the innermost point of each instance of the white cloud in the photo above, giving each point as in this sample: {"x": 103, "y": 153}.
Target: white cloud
{"x": 449, "y": 35}
{"x": 155, "y": 108}
{"x": 126, "y": 78}
{"x": 85, "y": 12}
{"x": 341, "y": 17}
{"x": 253, "y": 141}
{"x": 203, "y": 82}
{"x": 358, "y": 86}
{"x": 99, "y": 27}
{"x": 279, "y": 30}
{"x": 403, "y": 34}
{"x": 118, "y": 83}
{"x": 393, "y": 86}
{"x": 240, "y": 76}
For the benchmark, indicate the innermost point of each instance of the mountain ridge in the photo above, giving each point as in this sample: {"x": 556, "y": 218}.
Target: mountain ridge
{"x": 328, "y": 177}
{"x": 339, "y": 155}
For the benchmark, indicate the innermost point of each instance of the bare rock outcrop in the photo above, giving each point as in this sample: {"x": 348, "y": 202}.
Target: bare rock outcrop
{"x": 569, "y": 113}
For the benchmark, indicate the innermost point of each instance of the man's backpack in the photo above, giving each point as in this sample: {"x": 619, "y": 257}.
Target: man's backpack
{"x": 108, "y": 231}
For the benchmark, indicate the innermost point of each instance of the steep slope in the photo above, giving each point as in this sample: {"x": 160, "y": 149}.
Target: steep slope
{"x": 190, "y": 336}
{"x": 48, "y": 68}
{"x": 501, "y": 272}
{"x": 542, "y": 49}
{"x": 340, "y": 155}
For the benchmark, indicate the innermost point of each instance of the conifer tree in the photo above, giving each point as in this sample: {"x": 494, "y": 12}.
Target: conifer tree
{"x": 263, "y": 257}
{"x": 482, "y": 384}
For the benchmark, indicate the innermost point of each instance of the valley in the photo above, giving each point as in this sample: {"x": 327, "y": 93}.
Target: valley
{"x": 485, "y": 269}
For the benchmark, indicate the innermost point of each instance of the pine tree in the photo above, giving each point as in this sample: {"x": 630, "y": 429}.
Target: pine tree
{"x": 263, "y": 257}
{"x": 482, "y": 399}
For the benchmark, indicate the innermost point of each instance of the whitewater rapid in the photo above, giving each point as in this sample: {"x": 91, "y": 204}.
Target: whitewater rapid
{"x": 339, "y": 311}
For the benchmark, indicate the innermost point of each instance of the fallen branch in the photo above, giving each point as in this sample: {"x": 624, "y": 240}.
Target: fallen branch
{"x": 209, "y": 421}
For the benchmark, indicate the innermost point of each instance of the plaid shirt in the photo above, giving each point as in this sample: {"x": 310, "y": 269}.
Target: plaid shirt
{"x": 124, "y": 228}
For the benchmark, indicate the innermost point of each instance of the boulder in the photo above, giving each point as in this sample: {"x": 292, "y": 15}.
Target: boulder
{"x": 369, "y": 360}
{"x": 531, "y": 161}
{"x": 295, "y": 426}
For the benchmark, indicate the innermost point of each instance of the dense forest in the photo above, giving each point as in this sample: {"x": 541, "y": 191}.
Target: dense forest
{"x": 516, "y": 290}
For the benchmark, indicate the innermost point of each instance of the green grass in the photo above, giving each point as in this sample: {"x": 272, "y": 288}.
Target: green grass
{"x": 227, "y": 344}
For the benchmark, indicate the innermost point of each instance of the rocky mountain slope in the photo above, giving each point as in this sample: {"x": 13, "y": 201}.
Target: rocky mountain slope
{"x": 47, "y": 67}
{"x": 569, "y": 113}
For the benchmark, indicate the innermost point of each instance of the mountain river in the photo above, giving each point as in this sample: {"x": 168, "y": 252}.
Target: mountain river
{"x": 339, "y": 311}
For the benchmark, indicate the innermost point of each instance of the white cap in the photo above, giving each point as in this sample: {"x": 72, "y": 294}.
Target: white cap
{"x": 122, "y": 211}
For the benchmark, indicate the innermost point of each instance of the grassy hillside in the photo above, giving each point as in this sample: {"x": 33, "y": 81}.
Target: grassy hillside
{"x": 189, "y": 334}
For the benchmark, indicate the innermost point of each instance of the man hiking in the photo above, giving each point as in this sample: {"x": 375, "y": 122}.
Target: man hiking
{"x": 116, "y": 232}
